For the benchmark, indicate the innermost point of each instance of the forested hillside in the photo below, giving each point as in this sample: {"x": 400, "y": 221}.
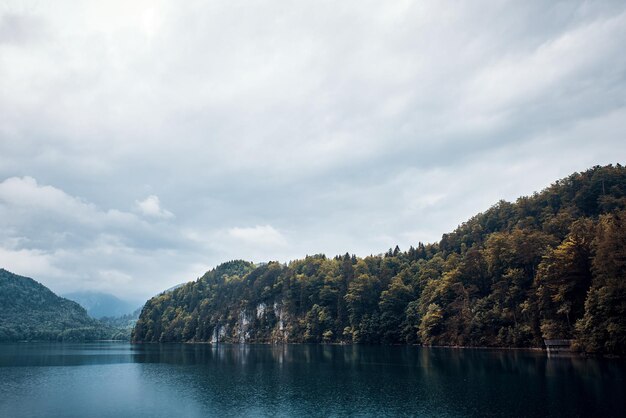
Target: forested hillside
{"x": 550, "y": 265}
{"x": 30, "y": 311}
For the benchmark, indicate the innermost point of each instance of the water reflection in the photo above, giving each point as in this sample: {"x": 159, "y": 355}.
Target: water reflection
{"x": 63, "y": 354}
{"x": 316, "y": 380}
{"x": 402, "y": 379}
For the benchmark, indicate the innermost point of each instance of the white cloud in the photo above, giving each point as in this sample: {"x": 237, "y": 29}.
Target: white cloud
{"x": 25, "y": 192}
{"x": 69, "y": 243}
{"x": 258, "y": 236}
{"x": 33, "y": 263}
{"x": 552, "y": 69}
{"x": 352, "y": 126}
{"x": 151, "y": 206}
{"x": 24, "y": 203}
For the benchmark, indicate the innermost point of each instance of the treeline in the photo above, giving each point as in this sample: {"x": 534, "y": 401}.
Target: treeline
{"x": 29, "y": 311}
{"x": 550, "y": 265}
{"x": 123, "y": 325}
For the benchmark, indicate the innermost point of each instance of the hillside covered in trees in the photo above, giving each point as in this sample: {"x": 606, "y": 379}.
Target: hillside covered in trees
{"x": 32, "y": 312}
{"x": 550, "y": 265}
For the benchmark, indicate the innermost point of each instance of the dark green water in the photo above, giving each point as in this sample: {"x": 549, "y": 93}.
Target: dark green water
{"x": 123, "y": 380}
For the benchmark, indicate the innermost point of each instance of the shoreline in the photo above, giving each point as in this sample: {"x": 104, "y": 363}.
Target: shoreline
{"x": 448, "y": 347}
{"x": 458, "y": 347}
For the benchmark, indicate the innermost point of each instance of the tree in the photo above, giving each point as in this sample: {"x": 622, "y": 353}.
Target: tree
{"x": 563, "y": 279}
{"x": 603, "y": 326}
{"x": 392, "y": 305}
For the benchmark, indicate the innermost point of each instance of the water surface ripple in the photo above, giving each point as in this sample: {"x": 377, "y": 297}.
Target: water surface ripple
{"x": 198, "y": 380}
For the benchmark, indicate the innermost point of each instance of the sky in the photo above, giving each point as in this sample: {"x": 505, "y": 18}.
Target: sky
{"x": 144, "y": 142}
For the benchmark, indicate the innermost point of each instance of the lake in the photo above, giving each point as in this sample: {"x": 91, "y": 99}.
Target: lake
{"x": 109, "y": 379}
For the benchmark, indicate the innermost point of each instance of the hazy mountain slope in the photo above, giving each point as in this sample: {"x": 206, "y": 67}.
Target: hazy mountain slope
{"x": 100, "y": 304}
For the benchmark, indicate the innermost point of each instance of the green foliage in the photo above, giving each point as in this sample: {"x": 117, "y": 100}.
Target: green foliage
{"x": 603, "y": 326}
{"x": 30, "y": 311}
{"x": 122, "y": 325}
{"x": 563, "y": 279}
{"x": 549, "y": 265}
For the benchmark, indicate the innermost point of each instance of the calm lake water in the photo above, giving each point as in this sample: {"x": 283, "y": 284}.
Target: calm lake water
{"x": 184, "y": 380}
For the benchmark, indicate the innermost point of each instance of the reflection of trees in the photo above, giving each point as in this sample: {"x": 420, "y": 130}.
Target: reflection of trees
{"x": 331, "y": 379}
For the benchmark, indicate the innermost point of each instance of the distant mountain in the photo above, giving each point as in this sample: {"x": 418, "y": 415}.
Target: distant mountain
{"x": 99, "y": 305}
{"x": 31, "y": 311}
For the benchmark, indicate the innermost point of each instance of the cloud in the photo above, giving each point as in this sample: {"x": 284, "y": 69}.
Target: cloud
{"x": 50, "y": 215}
{"x": 26, "y": 193}
{"x": 555, "y": 66}
{"x": 70, "y": 243}
{"x": 19, "y": 29}
{"x": 167, "y": 138}
{"x": 33, "y": 263}
{"x": 151, "y": 206}
{"x": 260, "y": 235}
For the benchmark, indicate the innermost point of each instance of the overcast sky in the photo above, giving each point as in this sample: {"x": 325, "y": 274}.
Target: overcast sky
{"x": 144, "y": 142}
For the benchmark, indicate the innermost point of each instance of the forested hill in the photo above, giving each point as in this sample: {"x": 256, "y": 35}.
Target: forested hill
{"x": 30, "y": 311}
{"x": 550, "y": 265}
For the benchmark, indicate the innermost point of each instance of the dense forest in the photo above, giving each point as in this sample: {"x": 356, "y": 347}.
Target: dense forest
{"x": 32, "y": 312}
{"x": 550, "y": 265}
